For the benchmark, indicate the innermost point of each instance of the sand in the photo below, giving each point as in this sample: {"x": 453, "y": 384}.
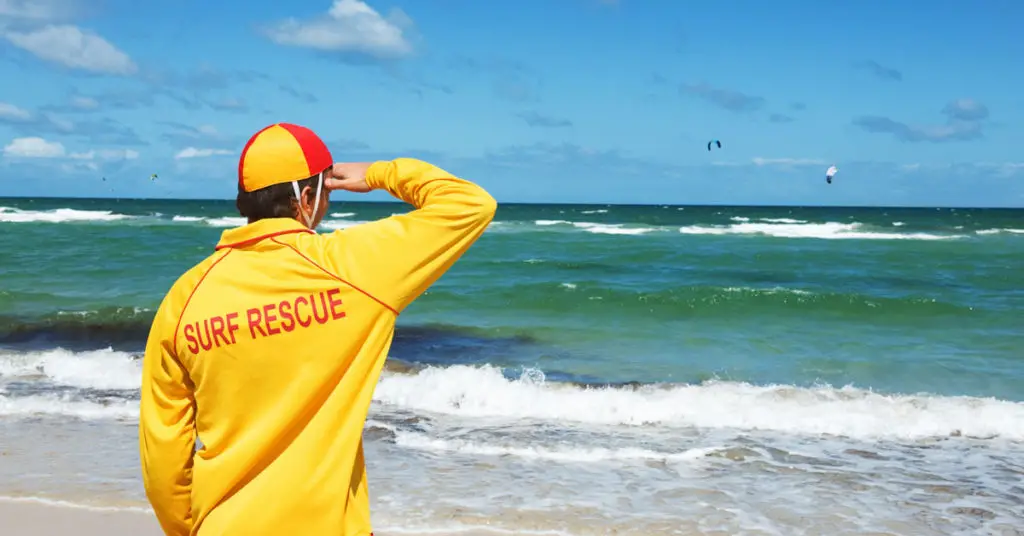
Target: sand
{"x": 35, "y": 519}
{"x": 29, "y": 518}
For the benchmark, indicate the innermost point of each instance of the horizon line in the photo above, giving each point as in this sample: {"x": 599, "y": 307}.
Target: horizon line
{"x": 582, "y": 204}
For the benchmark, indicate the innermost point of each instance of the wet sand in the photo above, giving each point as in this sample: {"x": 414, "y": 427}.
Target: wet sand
{"x": 30, "y": 518}
{"x": 36, "y": 519}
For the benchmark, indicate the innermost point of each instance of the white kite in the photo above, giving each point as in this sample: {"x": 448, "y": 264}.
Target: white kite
{"x": 830, "y": 173}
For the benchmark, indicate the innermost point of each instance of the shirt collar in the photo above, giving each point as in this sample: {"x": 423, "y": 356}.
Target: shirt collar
{"x": 247, "y": 235}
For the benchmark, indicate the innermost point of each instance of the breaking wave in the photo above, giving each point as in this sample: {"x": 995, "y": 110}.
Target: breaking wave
{"x": 792, "y": 228}
{"x": 104, "y": 385}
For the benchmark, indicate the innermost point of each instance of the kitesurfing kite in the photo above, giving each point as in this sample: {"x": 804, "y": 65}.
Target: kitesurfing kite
{"x": 830, "y": 173}
{"x": 714, "y": 142}
{"x": 152, "y": 177}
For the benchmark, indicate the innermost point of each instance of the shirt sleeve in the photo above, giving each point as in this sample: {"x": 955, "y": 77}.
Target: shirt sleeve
{"x": 167, "y": 428}
{"x": 396, "y": 259}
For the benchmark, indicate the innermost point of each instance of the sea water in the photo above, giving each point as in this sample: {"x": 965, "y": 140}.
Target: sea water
{"x": 588, "y": 369}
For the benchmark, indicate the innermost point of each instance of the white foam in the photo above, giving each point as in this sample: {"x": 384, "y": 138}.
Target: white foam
{"x": 612, "y": 228}
{"x": 773, "y": 290}
{"x": 100, "y": 369}
{"x": 84, "y": 314}
{"x": 339, "y": 224}
{"x": 744, "y": 219}
{"x": 598, "y": 211}
{"x": 78, "y": 506}
{"x": 828, "y": 230}
{"x": 598, "y": 228}
{"x": 37, "y": 405}
{"x": 782, "y": 220}
{"x": 338, "y": 221}
{"x": 999, "y": 231}
{"x": 231, "y": 221}
{"x": 484, "y": 393}
{"x": 565, "y": 453}
{"x": 60, "y": 215}
{"x": 456, "y": 528}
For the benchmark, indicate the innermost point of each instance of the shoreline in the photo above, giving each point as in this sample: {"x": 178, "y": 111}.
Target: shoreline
{"x": 30, "y": 516}
{"x": 35, "y": 516}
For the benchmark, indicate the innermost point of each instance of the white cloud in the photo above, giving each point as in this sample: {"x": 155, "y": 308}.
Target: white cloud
{"x": 34, "y": 9}
{"x": 106, "y": 154}
{"x": 350, "y": 26}
{"x": 10, "y": 112}
{"x": 230, "y": 103}
{"x": 759, "y": 161}
{"x": 84, "y": 103}
{"x": 192, "y": 152}
{"x": 1011, "y": 168}
{"x": 60, "y": 123}
{"x": 79, "y": 166}
{"x": 1002, "y": 169}
{"x": 74, "y": 48}
{"x": 123, "y": 154}
{"x": 965, "y": 110}
{"x": 33, "y": 148}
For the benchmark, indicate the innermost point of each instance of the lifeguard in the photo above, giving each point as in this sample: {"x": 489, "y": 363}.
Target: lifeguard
{"x": 268, "y": 351}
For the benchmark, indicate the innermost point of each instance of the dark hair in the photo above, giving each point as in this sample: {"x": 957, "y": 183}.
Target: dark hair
{"x": 274, "y": 201}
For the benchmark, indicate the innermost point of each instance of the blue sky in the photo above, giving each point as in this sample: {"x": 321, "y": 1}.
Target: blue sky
{"x": 538, "y": 100}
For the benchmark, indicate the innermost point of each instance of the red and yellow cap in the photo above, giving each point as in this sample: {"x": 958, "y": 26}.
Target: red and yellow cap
{"x": 281, "y": 153}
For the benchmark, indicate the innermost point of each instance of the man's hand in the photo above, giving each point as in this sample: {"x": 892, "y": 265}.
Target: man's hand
{"x": 350, "y": 177}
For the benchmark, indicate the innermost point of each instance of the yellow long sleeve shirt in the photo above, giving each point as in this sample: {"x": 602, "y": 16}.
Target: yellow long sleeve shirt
{"x": 268, "y": 353}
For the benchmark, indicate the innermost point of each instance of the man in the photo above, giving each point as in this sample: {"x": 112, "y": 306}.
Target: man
{"x": 268, "y": 351}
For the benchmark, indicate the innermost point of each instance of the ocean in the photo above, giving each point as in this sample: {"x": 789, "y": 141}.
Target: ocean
{"x": 588, "y": 369}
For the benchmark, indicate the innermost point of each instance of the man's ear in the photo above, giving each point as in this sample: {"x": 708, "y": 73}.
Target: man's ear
{"x": 307, "y": 195}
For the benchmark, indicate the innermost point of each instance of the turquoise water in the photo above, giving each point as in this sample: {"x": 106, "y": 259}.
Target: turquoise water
{"x": 893, "y": 300}
{"x": 719, "y": 330}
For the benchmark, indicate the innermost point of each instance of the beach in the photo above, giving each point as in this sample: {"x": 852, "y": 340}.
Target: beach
{"x": 582, "y": 370}
{"x": 23, "y": 518}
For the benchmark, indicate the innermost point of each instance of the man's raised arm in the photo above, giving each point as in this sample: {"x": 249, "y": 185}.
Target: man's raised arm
{"x": 401, "y": 256}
